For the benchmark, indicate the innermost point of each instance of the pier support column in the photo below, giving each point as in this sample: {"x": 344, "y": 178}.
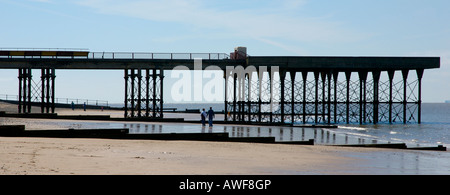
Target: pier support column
{"x": 329, "y": 98}
{"x": 147, "y": 93}
{"x": 376, "y": 101}
{"x": 249, "y": 97}
{"x": 283, "y": 101}
{"x": 335, "y": 102}
{"x": 160, "y": 93}
{"x": 143, "y": 97}
{"x": 126, "y": 77}
{"x": 154, "y": 96}
{"x": 225, "y": 77}
{"x": 347, "y": 103}
{"x": 293, "y": 96}
{"x": 316, "y": 99}
{"x": 362, "y": 96}
{"x": 260, "y": 83}
{"x": 234, "y": 96}
{"x": 53, "y": 76}
{"x": 391, "y": 77}
{"x": 419, "y": 101}
{"x": 305, "y": 77}
{"x": 139, "y": 93}
{"x": 271, "y": 98}
{"x": 30, "y": 91}
{"x": 25, "y": 78}
{"x": 323, "y": 77}
{"x": 405, "y": 100}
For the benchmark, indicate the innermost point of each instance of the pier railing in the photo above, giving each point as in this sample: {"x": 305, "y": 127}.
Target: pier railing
{"x": 168, "y": 56}
{"x": 62, "y": 100}
{"x": 71, "y": 53}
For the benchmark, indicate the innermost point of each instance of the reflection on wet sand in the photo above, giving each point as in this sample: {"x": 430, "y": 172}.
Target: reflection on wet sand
{"x": 320, "y": 135}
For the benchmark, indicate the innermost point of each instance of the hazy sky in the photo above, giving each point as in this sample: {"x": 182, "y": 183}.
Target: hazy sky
{"x": 283, "y": 27}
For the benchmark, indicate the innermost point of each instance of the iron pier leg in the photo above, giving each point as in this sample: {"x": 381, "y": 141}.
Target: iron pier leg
{"x": 47, "y": 76}
{"x": 348, "y": 76}
{"x": 234, "y": 96}
{"x": 282, "y": 77}
{"x": 25, "y": 89}
{"x": 329, "y": 97}
{"x": 362, "y": 96}
{"x": 405, "y": 100}
{"x": 391, "y": 77}
{"x": 154, "y": 93}
{"x": 304, "y": 75}
{"x": 53, "y": 89}
{"x": 335, "y": 78}
{"x": 376, "y": 101}
{"x": 269, "y": 69}
{"x": 260, "y": 77}
{"x": 161, "y": 92}
{"x": 360, "y": 100}
{"x": 133, "y": 105}
{"x": 19, "y": 107}
{"x": 29, "y": 77}
{"x": 126, "y": 93}
{"x": 324, "y": 80}
{"x": 225, "y": 77}
{"x": 147, "y": 92}
{"x": 316, "y": 101}
{"x": 42, "y": 90}
{"x": 249, "y": 97}
{"x": 139, "y": 98}
{"x": 419, "y": 77}
{"x": 25, "y": 94}
{"x": 292, "y": 96}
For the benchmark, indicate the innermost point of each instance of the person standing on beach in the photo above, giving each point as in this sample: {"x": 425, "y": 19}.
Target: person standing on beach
{"x": 73, "y": 106}
{"x": 84, "y": 106}
{"x": 211, "y": 115}
{"x": 203, "y": 115}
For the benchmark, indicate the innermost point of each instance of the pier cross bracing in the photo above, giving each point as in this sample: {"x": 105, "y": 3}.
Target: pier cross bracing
{"x": 260, "y": 89}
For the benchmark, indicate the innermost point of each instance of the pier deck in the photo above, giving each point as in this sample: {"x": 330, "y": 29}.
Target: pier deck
{"x": 317, "y": 89}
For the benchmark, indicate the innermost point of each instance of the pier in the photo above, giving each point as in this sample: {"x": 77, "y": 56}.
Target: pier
{"x": 258, "y": 89}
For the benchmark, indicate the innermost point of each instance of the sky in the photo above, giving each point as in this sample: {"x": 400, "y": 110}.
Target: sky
{"x": 275, "y": 28}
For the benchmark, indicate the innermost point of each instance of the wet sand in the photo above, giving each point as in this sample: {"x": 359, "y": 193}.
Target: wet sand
{"x": 43, "y": 156}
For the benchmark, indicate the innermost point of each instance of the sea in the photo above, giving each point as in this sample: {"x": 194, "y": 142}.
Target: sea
{"x": 434, "y": 129}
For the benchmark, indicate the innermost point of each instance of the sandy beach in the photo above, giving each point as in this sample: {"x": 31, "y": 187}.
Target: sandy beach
{"x": 49, "y": 156}
{"x": 36, "y": 156}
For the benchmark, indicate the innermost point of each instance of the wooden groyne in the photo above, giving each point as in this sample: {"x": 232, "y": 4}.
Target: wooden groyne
{"x": 19, "y": 131}
{"x": 395, "y": 146}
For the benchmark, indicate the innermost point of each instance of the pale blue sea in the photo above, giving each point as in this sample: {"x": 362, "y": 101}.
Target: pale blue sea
{"x": 434, "y": 129}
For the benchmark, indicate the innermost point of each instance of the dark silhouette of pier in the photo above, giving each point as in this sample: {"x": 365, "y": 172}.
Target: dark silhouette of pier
{"x": 258, "y": 89}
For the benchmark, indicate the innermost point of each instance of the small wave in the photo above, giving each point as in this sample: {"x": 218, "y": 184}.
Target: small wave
{"x": 398, "y": 140}
{"x": 362, "y": 135}
{"x": 354, "y": 128}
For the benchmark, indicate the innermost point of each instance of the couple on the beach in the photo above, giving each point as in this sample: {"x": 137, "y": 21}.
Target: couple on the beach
{"x": 210, "y": 114}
